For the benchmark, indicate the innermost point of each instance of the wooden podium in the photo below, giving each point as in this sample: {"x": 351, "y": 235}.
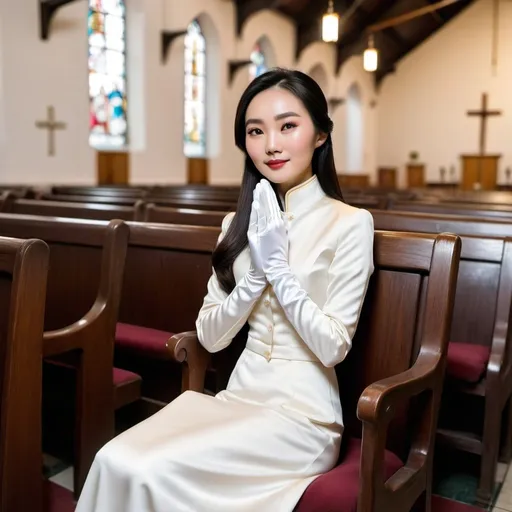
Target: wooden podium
{"x": 479, "y": 172}
{"x": 387, "y": 177}
{"x": 415, "y": 175}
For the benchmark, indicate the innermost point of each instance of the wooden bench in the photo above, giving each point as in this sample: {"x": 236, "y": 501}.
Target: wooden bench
{"x": 393, "y": 374}
{"x": 166, "y": 274}
{"x": 468, "y": 210}
{"x": 163, "y": 201}
{"x": 90, "y": 210}
{"x": 166, "y": 215}
{"x": 480, "y": 351}
{"x": 86, "y": 272}
{"x": 23, "y": 275}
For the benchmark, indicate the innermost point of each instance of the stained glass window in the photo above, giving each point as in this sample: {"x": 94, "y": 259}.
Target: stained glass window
{"x": 259, "y": 62}
{"x": 195, "y": 92}
{"x": 107, "y": 74}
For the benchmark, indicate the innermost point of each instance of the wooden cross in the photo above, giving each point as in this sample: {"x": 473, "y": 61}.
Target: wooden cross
{"x": 51, "y": 125}
{"x": 483, "y": 113}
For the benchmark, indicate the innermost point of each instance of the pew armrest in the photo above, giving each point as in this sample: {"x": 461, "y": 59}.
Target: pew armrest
{"x": 185, "y": 348}
{"x": 72, "y": 336}
{"x": 500, "y": 360}
{"x": 378, "y": 401}
{"x": 376, "y": 408}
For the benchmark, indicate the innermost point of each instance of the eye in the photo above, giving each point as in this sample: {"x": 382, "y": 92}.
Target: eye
{"x": 288, "y": 126}
{"x": 254, "y": 131}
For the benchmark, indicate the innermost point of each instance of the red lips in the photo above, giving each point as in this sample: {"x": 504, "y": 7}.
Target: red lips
{"x": 276, "y": 164}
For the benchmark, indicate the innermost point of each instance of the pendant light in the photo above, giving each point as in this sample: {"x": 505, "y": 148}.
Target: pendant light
{"x": 330, "y": 24}
{"x": 370, "y": 56}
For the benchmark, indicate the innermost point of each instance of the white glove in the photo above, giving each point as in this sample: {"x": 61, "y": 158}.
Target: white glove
{"x": 271, "y": 248}
{"x": 256, "y": 268}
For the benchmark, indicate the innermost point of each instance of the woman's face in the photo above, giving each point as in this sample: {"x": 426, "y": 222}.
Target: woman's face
{"x": 281, "y": 138}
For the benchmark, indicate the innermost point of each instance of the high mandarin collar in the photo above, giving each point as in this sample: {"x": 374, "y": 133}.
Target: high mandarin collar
{"x": 303, "y": 196}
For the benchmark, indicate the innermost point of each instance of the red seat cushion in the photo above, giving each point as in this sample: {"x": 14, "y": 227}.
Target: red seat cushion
{"x": 57, "y": 498}
{"x": 124, "y": 377}
{"x": 467, "y": 362}
{"x": 142, "y": 340}
{"x": 337, "y": 490}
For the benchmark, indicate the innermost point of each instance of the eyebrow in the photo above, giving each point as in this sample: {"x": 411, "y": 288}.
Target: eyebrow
{"x": 277, "y": 118}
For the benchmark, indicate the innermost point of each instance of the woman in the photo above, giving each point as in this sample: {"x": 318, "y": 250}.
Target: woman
{"x": 299, "y": 277}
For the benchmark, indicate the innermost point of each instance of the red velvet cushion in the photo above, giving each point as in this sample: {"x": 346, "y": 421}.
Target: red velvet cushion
{"x": 466, "y": 361}
{"x": 143, "y": 340}
{"x": 337, "y": 490}
{"x": 124, "y": 377}
{"x": 57, "y": 498}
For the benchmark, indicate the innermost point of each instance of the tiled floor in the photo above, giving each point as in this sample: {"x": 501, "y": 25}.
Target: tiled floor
{"x": 64, "y": 478}
{"x": 504, "y": 501}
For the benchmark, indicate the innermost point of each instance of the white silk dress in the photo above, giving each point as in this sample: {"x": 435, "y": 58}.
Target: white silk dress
{"x": 257, "y": 445}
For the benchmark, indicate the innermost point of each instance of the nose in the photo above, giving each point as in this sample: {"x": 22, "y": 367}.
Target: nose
{"x": 273, "y": 143}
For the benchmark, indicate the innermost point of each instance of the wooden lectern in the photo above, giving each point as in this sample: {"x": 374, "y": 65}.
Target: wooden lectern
{"x": 479, "y": 172}
{"x": 387, "y": 177}
{"x": 415, "y": 175}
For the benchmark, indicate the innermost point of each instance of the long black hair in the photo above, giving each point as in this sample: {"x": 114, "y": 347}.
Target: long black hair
{"x": 309, "y": 92}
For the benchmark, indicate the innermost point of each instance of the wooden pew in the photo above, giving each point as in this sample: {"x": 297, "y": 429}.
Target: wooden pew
{"x": 480, "y": 353}
{"x": 166, "y": 215}
{"x": 87, "y": 261}
{"x": 104, "y": 191}
{"x": 468, "y": 210}
{"x": 23, "y": 275}
{"x": 90, "y": 210}
{"x": 126, "y": 201}
{"x": 166, "y": 274}
{"x": 394, "y": 373}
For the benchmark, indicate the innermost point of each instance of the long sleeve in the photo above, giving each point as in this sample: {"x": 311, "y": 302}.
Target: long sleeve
{"x": 328, "y": 331}
{"x": 222, "y": 315}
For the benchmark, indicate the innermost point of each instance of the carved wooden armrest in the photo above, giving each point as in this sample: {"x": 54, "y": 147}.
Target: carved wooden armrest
{"x": 185, "y": 348}
{"x": 72, "y": 336}
{"x": 376, "y": 408}
{"x": 499, "y": 366}
{"x": 378, "y": 401}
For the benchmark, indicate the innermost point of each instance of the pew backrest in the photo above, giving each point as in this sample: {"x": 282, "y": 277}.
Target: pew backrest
{"x": 482, "y": 302}
{"x": 167, "y": 270}
{"x": 95, "y": 211}
{"x": 23, "y": 276}
{"x": 468, "y": 210}
{"x": 188, "y": 216}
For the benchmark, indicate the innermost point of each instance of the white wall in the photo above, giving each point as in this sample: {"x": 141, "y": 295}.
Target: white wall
{"x": 36, "y": 73}
{"x": 422, "y": 107}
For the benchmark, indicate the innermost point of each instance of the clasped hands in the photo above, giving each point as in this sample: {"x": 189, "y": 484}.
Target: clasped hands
{"x": 267, "y": 234}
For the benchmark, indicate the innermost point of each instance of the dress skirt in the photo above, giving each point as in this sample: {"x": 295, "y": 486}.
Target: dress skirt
{"x": 209, "y": 454}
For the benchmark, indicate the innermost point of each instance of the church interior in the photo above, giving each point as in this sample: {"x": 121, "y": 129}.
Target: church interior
{"x": 119, "y": 165}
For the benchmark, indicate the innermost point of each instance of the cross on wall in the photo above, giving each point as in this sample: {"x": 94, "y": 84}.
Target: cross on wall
{"x": 483, "y": 114}
{"x": 51, "y": 125}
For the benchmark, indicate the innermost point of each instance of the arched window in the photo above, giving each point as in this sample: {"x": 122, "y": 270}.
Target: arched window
{"x": 354, "y": 140}
{"x": 195, "y": 92}
{"x": 107, "y": 74}
{"x": 259, "y": 62}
